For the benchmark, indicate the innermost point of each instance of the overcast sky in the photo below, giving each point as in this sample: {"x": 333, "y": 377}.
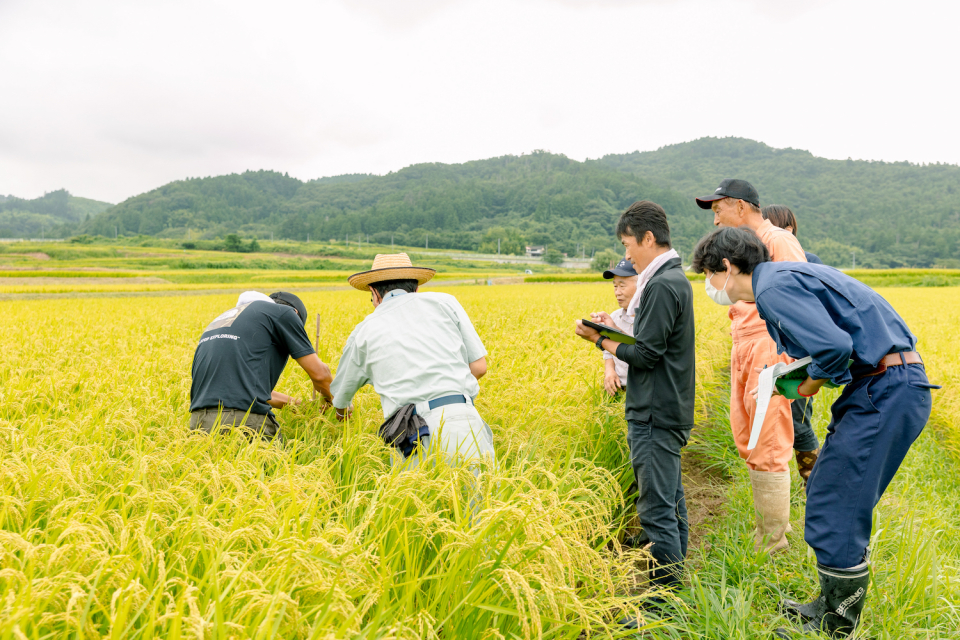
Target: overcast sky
{"x": 111, "y": 99}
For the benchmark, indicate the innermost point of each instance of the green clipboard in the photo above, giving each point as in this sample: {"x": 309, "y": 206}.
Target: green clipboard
{"x": 609, "y": 332}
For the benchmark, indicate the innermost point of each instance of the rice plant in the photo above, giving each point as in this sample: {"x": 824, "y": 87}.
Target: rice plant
{"x": 116, "y": 521}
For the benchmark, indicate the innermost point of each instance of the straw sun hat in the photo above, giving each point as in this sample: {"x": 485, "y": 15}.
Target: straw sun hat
{"x": 390, "y": 266}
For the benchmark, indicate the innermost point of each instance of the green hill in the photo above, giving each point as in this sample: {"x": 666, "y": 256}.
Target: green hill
{"x": 889, "y": 214}
{"x": 54, "y": 214}
{"x": 539, "y": 198}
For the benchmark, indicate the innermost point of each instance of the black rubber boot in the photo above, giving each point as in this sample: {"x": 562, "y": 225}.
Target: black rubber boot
{"x": 805, "y": 611}
{"x": 837, "y": 611}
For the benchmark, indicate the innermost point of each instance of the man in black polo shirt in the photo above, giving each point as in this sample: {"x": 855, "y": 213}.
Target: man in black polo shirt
{"x": 660, "y": 384}
{"x": 240, "y": 357}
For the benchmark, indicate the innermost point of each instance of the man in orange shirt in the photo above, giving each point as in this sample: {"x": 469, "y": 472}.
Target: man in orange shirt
{"x": 735, "y": 203}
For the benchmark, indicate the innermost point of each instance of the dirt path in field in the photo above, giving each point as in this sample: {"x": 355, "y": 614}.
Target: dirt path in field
{"x": 705, "y": 491}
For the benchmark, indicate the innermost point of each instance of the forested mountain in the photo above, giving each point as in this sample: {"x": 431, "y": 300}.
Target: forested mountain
{"x": 540, "y": 198}
{"x": 52, "y": 214}
{"x": 890, "y": 214}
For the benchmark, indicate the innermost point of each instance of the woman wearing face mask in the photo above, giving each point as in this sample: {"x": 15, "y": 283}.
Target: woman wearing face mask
{"x": 817, "y": 311}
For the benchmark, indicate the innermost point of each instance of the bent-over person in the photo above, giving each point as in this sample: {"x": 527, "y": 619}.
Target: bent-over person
{"x": 420, "y": 349}
{"x": 240, "y": 357}
{"x": 855, "y": 339}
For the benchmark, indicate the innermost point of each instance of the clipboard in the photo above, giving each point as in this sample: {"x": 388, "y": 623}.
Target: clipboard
{"x": 768, "y": 380}
{"x": 765, "y": 383}
{"x": 609, "y": 332}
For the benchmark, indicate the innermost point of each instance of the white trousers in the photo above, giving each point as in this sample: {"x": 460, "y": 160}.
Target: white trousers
{"x": 457, "y": 429}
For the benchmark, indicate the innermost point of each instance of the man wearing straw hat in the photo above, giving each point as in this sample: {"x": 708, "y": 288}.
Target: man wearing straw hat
{"x": 422, "y": 356}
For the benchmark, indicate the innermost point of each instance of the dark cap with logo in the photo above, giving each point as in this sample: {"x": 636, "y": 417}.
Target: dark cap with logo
{"x": 730, "y": 188}
{"x": 290, "y": 300}
{"x": 624, "y": 268}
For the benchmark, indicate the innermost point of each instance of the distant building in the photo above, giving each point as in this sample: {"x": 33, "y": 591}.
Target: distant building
{"x": 535, "y": 252}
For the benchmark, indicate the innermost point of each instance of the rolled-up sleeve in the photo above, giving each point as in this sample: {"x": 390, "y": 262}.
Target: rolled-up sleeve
{"x": 804, "y": 321}
{"x": 350, "y": 375}
{"x": 658, "y": 312}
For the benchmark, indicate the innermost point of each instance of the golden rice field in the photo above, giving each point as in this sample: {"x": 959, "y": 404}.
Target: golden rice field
{"x": 117, "y": 522}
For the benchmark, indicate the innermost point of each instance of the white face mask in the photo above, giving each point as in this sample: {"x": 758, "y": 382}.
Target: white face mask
{"x": 719, "y": 296}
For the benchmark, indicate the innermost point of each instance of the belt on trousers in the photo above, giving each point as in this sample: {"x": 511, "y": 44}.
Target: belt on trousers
{"x": 456, "y": 398}
{"x": 893, "y": 360}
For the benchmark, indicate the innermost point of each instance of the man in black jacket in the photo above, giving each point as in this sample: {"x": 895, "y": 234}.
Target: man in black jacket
{"x": 660, "y": 383}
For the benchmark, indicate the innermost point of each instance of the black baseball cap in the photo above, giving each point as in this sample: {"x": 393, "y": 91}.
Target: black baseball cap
{"x": 623, "y": 268}
{"x": 283, "y": 297}
{"x": 730, "y": 188}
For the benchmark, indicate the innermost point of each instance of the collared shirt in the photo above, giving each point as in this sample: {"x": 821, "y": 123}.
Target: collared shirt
{"x": 783, "y": 247}
{"x": 623, "y": 321}
{"x": 817, "y": 311}
{"x": 412, "y": 348}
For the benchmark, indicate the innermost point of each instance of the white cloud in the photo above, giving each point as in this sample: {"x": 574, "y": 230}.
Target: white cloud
{"x": 109, "y": 98}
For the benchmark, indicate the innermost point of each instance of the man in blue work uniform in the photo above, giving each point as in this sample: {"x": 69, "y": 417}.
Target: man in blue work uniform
{"x": 817, "y": 311}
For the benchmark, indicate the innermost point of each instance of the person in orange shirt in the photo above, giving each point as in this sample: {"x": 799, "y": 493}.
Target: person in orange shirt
{"x": 804, "y": 439}
{"x": 735, "y": 203}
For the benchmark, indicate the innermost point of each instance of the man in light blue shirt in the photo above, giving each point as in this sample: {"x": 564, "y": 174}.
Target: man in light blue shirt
{"x": 416, "y": 348}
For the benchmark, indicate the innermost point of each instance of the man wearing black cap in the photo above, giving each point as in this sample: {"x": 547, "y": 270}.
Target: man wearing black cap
{"x": 735, "y": 203}
{"x": 240, "y": 357}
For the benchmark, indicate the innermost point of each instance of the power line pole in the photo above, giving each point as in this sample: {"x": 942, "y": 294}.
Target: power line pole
{"x": 427, "y": 245}
{"x": 498, "y": 246}
{"x": 854, "y": 254}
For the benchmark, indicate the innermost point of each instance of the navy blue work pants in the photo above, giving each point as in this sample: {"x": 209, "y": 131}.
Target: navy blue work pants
{"x": 655, "y": 455}
{"x": 874, "y": 422}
